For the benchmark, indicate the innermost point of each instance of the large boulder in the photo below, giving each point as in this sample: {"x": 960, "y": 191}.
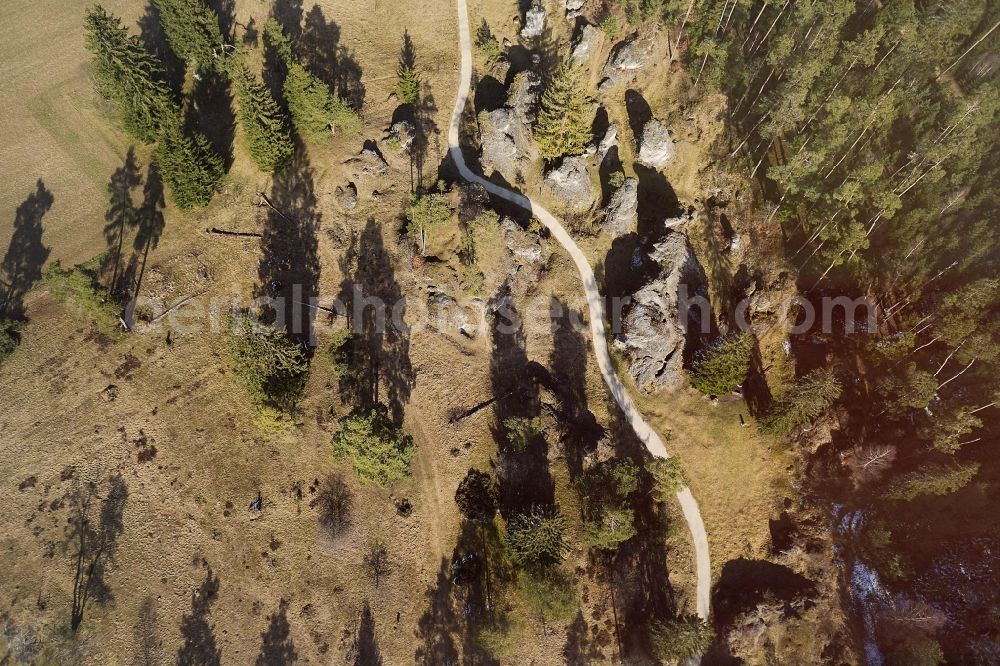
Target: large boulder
{"x": 505, "y": 133}
{"x": 626, "y": 59}
{"x": 656, "y": 146}
{"x": 534, "y": 21}
{"x": 609, "y": 141}
{"x": 654, "y": 327}
{"x": 570, "y": 183}
{"x": 585, "y": 45}
{"x": 500, "y": 151}
{"x": 621, "y": 213}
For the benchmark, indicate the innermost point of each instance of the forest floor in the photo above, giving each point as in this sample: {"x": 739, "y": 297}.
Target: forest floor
{"x": 193, "y": 450}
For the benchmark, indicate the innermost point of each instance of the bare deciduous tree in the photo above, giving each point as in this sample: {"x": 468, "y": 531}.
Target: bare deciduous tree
{"x": 376, "y": 561}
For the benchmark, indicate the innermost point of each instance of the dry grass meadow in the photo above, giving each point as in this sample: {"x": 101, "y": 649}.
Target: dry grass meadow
{"x": 194, "y": 451}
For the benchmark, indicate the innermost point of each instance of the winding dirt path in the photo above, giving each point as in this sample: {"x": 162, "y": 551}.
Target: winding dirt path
{"x": 642, "y": 429}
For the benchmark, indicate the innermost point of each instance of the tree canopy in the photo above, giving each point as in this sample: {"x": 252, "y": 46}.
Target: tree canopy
{"x": 565, "y": 117}
{"x": 377, "y": 449}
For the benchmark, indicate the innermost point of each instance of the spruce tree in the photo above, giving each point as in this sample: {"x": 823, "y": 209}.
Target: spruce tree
{"x": 191, "y": 29}
{"x": 125, "y": 73}
{"x": 566, "y": 115}
{"x": 407, "y": 84}
{"x": 262, "y": 122}
{"x": 189, "y": 166}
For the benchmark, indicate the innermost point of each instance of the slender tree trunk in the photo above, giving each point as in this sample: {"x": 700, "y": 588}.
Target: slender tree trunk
{"x": 956, "y": 375}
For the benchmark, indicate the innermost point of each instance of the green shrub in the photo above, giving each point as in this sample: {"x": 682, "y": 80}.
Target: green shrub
{"x": 377, "y": 449}
{"x": 339, "y": 352}
{"x": 723, "y": 367}
{"x": 270, "y": 364}
{"x": 9, "y": 337}
{"x": 521, "y": 431}
{"x": 611, "y": 26}
{"x": 79, "y": 287}
{"x": 668, "y": 477}
{"x": 680, "y": 638}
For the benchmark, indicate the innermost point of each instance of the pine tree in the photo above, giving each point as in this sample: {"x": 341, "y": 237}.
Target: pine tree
{"x": 189, "y": 166}
{"x": 269, "y": 364}
{"x": 538, "y": 537}
{"x": 932, "y": 480}
{"x": 262, "y": 122}
{"x": 377, "y": 449}
{"x": 723, "y": 367}
{"x": 125, "y": 73}
{"x": 191, "y": 29}
{"x": 804, "y": 401}
{"x": 315, "y": 111}
{"x": 566, "y": 115}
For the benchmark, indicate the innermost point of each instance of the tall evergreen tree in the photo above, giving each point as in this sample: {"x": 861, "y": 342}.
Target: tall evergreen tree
{"x": 191, "y": 29}
{"x": 565, "y": 117}
{"x": 314, "y": 109}
{"x": 126, "y": 73}
{"x": 262, "y": 122}
{"x": 189, "y": 166}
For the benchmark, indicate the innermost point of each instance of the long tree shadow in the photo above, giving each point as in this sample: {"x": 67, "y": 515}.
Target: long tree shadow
{"x": 152, "y": 36}
{"x": 288, "y": 14}
{"x": 200, "y": 648}
{"x": 119, "y": 217}
{"x": 637, "y": 574}
{"x": 439, "y": 625}
{"x": 580, "y": 648}
{"x": 524, "y": 473}
{"x": 22, "y": 264}
{"x": 289, "y": 267}
{"x": 419, "y": 115}
{"x": 95, "y": 541}
{"x": 376, "y": 311}
{"x": 322, "y": 53}
{"x": 226, "y": 11}
{"x": 462, "y": 602}
{"x": 210, "y": 112}
{"x": 366, "y": 645}
{"x": 149, "y": 223}
{"x": 277, "y": 648}
{"x": 570, "y": 354}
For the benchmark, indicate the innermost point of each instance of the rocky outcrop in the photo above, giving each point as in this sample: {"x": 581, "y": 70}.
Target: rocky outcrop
{"x": 574, "y": 8}
{"x": 347, "y": 197}
{"x": 369, "y": 162}
{"x": 525, "y": 247}
{"x": 570, "y": 183}
{"x": 655, "y": 324}
{"x": 534, "y": 21}
{"x": 402, "y": 133}
{"x": 505, "y": 133}
{"x": 585, "y": 45}
{"x": 626, "y": 59}
{"x": 621, "y": 213}
{"x": 656, "y": 146}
